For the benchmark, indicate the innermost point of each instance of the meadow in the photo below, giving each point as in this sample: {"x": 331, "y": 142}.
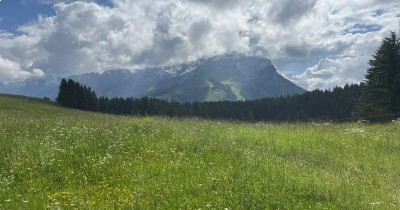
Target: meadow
{"x": 57, "y": 158}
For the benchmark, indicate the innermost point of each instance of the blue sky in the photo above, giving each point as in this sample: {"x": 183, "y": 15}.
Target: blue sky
{"x": 14, "y": 13}
{"x": 315, "y": 43}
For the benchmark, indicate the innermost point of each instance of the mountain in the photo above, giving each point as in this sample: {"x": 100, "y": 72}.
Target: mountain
{"x": 39, "y": 88}
{"x": 227, "y": 77}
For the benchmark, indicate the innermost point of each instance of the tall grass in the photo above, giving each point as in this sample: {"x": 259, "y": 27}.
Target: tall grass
{"x": 55, "y": 158}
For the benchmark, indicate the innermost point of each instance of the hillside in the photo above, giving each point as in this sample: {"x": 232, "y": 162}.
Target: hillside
{"x": 57, "y": 158}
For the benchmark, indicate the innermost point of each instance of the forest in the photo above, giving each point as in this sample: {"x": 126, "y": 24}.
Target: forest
{"x": 317, "y": 105}
{"x": 376, "y": 99}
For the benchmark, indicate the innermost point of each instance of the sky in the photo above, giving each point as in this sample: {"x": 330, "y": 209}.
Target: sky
{"x": 318, "y": 44}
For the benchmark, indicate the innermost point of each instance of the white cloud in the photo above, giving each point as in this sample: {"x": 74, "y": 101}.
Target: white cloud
{"x": 329, "y": 73}
{"x": 11, "y": 71}
{"x": 84, "y": 36}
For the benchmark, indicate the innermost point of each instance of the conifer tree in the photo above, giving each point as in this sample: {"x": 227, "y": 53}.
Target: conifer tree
{"x": 74, "y": 95}
{"x": 380, "y": 99}
{"x": 62, "y": 92}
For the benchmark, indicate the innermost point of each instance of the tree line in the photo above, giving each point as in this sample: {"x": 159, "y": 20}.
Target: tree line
{"x": 375, "y": 99}
{"x": 75, "y": 95}
{"x": 337, "y": 104}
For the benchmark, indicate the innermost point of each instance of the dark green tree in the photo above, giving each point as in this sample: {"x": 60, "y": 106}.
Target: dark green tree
{"x": 62, "y": 97}
{"x": 74, "y": 95}
{"x": 380, "y": 98}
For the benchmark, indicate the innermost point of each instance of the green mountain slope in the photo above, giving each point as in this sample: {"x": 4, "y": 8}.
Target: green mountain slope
{"x": 229, "y": 77}
{"x": 25, "y": 104}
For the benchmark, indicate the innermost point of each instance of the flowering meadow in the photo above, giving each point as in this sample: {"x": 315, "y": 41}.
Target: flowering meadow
{"x": 57, "y": 158}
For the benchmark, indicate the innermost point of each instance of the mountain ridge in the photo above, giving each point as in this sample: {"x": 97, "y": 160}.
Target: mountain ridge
{"x": 230, "y": 77}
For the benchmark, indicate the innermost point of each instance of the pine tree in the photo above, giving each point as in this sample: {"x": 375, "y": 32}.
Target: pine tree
{"x": 62, "y": 92}
{"x": 380, "y": 99}
{"x": 74, "y": 95}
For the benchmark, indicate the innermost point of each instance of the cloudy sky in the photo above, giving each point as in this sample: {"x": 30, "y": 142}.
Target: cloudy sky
{"x": 315, "y": 43}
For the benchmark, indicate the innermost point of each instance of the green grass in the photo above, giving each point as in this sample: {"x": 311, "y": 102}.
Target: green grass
{"x": 235, "y": 88}
{"x": 56, "y": 158}
{"x": 214, "y": 94}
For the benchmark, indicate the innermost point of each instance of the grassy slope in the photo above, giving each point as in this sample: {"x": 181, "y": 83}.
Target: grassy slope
{"x": 52, "y": 157}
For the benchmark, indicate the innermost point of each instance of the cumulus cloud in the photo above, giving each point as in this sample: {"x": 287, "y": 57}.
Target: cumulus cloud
{"x": 329, "y": 73}
{"x": 286, "y": 11}
{"x": 11, "y": 71}
{"x": 84, "y": 36}
{"x": 218, "y": 4}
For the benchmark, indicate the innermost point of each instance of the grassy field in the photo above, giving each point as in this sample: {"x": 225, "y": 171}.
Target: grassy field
{"x": 56, "y": 158}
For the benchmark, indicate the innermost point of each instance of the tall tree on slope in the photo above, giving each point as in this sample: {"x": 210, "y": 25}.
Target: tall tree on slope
{"x": 380, "y": 99}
